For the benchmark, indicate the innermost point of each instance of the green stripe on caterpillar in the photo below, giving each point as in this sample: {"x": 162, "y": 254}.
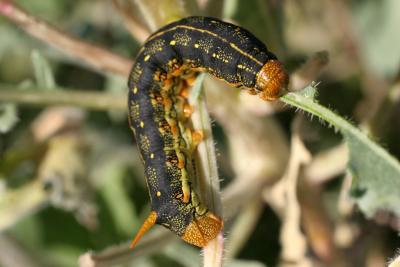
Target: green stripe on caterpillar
{"x": 164, "y": 70}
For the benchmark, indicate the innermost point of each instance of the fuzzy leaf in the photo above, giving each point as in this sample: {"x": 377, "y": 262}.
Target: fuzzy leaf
{"x": 376, "y": 183}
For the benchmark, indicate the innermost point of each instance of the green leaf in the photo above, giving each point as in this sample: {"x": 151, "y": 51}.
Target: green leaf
{"x": 115, "y": 195}
{"x": 43, "y": 73}
{"x": 376, "y": 183}
{"x": 8, "y": 117}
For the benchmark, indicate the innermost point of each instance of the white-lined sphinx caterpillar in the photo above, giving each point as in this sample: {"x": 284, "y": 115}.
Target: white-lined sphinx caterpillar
{"x": 164, "y": 69}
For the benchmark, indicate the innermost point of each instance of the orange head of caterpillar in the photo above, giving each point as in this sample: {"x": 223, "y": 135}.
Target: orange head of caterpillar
{"x": 203, "y": 229}
{"x": 272, "y": 80}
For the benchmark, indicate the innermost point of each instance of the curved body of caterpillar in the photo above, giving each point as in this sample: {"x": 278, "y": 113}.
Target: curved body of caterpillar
{"x": 164, "y": 69}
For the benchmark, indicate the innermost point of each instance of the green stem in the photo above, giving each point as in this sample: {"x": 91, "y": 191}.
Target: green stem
{"x": 85, "y": 99}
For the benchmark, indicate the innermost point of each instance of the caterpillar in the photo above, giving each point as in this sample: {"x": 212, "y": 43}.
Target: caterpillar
{"x": 164, "y": 69}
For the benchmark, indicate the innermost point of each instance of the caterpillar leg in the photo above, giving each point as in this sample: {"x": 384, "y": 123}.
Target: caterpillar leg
{"x": 187, "y": 110}
{"x": 194, "y": 137}
{"x": 199, "y": 207}
{"x": 197, "y": 137}
{"x": 185, "y": 186}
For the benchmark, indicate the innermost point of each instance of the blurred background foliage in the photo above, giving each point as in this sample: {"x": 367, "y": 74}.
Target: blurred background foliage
{"x": 71, "y": 179}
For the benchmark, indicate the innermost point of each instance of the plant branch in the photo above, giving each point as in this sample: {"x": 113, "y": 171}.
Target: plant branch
{"x": 206, "y": 165}
{"x": 327, "y": 164}
{"x": 93, "y": 55}
{"x": 12, "y": 253}
{"x": 85, "y": 99}
{"x": 121, "y": 254}
{"x": 138, "y": 31}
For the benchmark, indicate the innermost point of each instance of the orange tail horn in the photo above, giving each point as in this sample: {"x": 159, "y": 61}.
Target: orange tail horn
{"x": 147, "y": 224}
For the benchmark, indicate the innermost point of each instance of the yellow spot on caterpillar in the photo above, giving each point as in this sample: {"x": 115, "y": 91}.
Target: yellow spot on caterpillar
{"x": 135, "y": 90}
{"x": 196, "y": 45}
{"x": 158, "y": 193}
{"x": 152, "y": 155}
{"x": 214, "y": 55}
{"x": 141, "y": 124}
{"x": 146, "y": 57}
{"x": 173, "y": 42}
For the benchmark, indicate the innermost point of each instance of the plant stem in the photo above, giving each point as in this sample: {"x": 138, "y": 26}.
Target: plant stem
{"x": 85, "y": 99}
{"x": 98, "y": 57}
{"x": 132, "y": 24}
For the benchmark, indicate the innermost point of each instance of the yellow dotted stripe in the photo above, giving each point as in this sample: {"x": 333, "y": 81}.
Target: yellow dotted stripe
{"x": 234, "y": 46}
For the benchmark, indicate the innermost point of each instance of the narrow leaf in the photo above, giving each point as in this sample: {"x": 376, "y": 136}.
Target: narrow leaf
{"x": 43, "y": 73}
{"x": 8, "y": 117}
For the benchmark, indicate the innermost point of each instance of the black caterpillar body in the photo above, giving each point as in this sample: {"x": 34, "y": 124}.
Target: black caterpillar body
{"x": 164, "y": 69}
